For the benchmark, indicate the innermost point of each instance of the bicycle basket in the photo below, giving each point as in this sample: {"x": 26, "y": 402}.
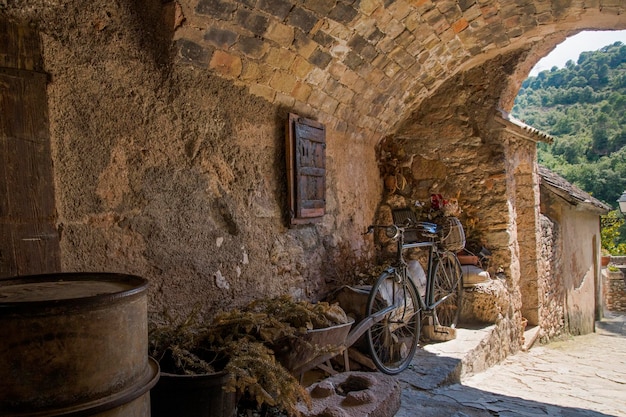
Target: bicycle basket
{"x": 419, "y": 232}
{"x": 452, "y": 236}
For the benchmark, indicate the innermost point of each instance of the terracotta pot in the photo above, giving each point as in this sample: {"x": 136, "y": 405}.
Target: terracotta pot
{"x": 604, "y": 260}
{"x": 468, "y": 259}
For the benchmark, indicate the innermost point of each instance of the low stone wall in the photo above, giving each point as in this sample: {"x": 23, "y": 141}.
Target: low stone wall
{"x": 614, "y": 290}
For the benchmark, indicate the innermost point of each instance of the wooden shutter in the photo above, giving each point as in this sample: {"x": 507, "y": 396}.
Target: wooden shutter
{"x": 306, "y": 169}
{"x": 29, "y": 242}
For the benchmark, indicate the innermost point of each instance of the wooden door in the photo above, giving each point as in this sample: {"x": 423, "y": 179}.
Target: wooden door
{"x": 29, "y": 242}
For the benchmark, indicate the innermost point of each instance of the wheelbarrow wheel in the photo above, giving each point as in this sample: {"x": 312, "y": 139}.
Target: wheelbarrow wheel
{"x": 394, "y": 338}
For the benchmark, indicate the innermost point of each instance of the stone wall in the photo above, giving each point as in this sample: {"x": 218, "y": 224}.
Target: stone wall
{"x": 167, "y": 130}
{"x": 551, "y": 288}
{"x": 178, "y": 175}
{"x": 614, "y": 290}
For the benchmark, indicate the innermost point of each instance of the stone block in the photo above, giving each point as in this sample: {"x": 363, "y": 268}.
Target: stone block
{"x": 301, "y": 67}
{"x": 221, "y": 38}
{"x": 279, "y": 33}
{"x": 323, "y": 39}
{"x": 460, "y": 25}
{"x": 375, "y": 36}
{"x": 357, "y": 43}
{"x": 329, "y": 105}
{"x": 347, "y": 77}
{"x": 284, "y": 100}
{"x": 317, "y": 77}
{"x": 283, "y": 81}
{"x": 251, "y": 71}
{"x": 354, "y": 394}
{"x": 343, "y": 13}
{"x": 263, "y": 91}
{"x": 303, "y": 44}
{"x": 353, "y": 61}
{"x": 280, "y": 58}
{"x": 301, "y": 91}
{"x": 466, "y": 4}
{"x": 486, "y": 302}
{"x": 193, "y": 53}
{"x": 322, "y": 7}
{"x": 253, "y": 47}
{"x": 226, "y": 64}
{"x": 220, "y": 9}
{"x": 400, "y": 9}
{"x": 320, "y": 58}
{"x": 369, "y": 53}
{"x": 337, "y": 70}
{"x": 368, "y": 7}
{"x": 254, "y": 22}
{"x": 278, "y": 8}
{"x": 302, "y": 19}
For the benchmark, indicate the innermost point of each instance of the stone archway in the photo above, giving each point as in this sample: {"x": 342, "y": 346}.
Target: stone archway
{"x": 427, "y": 76}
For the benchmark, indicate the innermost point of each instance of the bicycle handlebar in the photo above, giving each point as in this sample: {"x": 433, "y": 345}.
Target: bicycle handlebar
{"x": 392, "y": 231}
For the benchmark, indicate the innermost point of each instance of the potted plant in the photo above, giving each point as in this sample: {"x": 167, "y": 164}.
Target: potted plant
{"x": 191, "y": 381}
{"x": 605, "y": 258}
{"x": 235, "y": 352}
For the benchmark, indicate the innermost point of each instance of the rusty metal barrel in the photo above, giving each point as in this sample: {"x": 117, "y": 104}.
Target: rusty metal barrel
{"x": 75, "y": 344}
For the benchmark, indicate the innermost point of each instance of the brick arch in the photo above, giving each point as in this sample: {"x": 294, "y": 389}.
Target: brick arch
{"x": 368, "y": 63}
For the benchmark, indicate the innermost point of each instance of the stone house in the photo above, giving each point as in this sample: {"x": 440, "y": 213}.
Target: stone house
{"x": 148, "y": 137}
{"x": 571, "y": 283}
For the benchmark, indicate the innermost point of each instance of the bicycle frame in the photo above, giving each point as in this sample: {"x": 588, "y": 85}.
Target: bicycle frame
{"x": 427, "y": 303}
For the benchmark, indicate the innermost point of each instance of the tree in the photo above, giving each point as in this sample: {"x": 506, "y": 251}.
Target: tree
{"x": 600, "y": 137}
{"x": 587, "y": 121}
{"x": 611, "y": 233}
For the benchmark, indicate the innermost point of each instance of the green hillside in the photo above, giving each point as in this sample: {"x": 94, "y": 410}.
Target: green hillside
{"x": 584, "y": 107}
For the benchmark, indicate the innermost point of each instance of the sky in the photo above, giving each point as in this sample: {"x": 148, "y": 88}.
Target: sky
{"x": 574, "y": 45}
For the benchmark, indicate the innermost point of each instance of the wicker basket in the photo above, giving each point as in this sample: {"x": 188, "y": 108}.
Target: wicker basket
{"x": 452, "y": 236}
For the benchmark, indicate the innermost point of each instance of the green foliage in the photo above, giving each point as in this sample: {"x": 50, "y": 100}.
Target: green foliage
{"x": 583, "y": 106}
{"x": 612, "y": 232}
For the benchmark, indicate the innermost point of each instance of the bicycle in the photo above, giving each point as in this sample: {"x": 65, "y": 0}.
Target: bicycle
{"x": 394, "y": 338}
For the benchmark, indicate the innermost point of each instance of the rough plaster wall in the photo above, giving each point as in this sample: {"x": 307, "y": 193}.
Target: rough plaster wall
{"x": 165, "y": 171}
{"x": 578, "y": 269}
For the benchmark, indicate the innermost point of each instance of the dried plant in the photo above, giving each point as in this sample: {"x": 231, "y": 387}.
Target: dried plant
{"x": 346, "y": 267}
{"x": 256, "y": 372}
{"x": 240, "y": 342}
{"x": 177, "y": 344}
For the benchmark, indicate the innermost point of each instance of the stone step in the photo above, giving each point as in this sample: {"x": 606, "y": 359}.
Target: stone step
{"x": 439, "y": 364}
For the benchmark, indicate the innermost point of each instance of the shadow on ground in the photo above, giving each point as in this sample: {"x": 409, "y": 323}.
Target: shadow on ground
{"x": 432, "y": 388}
{"x": 461, "y": 401}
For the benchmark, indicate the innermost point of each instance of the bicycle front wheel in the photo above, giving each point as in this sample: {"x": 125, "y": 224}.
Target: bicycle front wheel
{"x": 448, "y": 286}
{"x": 394, "y": 336}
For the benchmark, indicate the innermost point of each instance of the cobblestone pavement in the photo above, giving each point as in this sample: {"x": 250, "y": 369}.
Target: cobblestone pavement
{"x": 582, "y": 376}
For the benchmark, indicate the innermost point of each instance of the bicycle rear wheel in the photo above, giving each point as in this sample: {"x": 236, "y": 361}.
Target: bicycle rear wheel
{"x": 393, "y": 340}
{"x": 449, "y": 285}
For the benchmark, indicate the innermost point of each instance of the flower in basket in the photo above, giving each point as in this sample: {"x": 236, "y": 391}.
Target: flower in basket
{"x": 446, "y": 207}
